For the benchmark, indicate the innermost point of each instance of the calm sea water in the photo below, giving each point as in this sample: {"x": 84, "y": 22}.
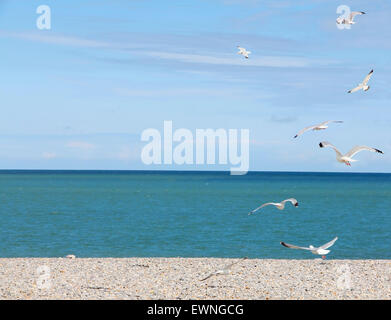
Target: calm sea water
{"x": 192, "y": 214}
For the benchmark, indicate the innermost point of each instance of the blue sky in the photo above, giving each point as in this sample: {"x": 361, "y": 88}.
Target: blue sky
{"x": 79, "y": 95}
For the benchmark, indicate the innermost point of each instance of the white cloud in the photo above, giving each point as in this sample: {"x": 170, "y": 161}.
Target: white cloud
{"x": 262, "y": 61}
{"x": 55, "y": 39}
{"x": 169, "y": 92}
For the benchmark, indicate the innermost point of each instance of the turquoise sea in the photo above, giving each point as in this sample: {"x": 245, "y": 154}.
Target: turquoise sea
{"x": 192, "y": 214}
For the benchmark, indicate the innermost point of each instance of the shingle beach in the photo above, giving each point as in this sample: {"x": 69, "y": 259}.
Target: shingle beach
{"x": 179, "y": 278}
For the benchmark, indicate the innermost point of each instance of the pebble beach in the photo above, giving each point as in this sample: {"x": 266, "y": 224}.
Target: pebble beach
{"x": 180, "y": 279}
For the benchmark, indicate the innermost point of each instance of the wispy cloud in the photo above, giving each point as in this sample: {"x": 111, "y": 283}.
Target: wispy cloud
{"x": 135, "y": 50}
{"x": 263, "y": 61}
{"x": 49, "y": 155}
{"x": 283, "y": 119}
{"x": 172, "y": 92}
{"x": 81, "y": 145}
{"x": 55, "y": 39}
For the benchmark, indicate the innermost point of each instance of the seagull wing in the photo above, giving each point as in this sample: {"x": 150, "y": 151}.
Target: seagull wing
{"x": 356, "y": 88}
{"x": 264, "y": 205}
{"x": 211, "y": 275}
{"x": 330, "y": 121}
{"x": 291, "y": 246}
{"x": 367, "y": 78}
{"x": 326, "y": 144}
{"x": 328, "y": 244}
{"x": 226, "y": 268}
{"x": 292, "y": 200}
{"x": 355, "y": 13}
{"x": 357, "y": 149}
{"x": 304, "y": 130}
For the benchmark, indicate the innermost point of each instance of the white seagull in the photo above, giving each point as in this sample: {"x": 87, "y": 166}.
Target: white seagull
{"x": 319, "y": 250}
{"x": 243, "y": 52}
{"x": 321, "y": 126}
{"x": 350, "y": 19}
{"x": 347, "y": 158}
{"x": 279, "y": 206}
{"x": 363, "y": 85}
{"x": 224, "y": 271}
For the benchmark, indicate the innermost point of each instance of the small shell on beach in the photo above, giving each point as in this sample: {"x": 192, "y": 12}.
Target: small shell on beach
{"x": 70, "y": 256}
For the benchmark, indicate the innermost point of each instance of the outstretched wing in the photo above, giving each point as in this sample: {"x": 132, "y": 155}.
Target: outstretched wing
{"x": 326, "y": 144}
{"x": 233, "y": 263}
{"x": 330, "y": 121}
{"x": 355, "y": 13}
{"x": 328, "y": 244}
{"x": 304, "y": 130}
{"x": 365, "y": 82}
{"x": 291, "y": 246}
{"x": 356, "y": 88}
{"x": 292, "y": 200}
{"x": 357, "y": 149}
{"x": 264, "y": 205}
{"x": 211, "y": 275}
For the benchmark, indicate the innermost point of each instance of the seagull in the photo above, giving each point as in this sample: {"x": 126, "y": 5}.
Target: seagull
{"x": 279, "y": 206}
{"x": 319, "y": 250}
{"x": 224, "y": 271}
{"x": 321, "y": 126}
{"x": 244, "y": 52}
{"x": 349, "y": 20}
{"x": 363, "y": 85}
{"x": 347, "y": 158}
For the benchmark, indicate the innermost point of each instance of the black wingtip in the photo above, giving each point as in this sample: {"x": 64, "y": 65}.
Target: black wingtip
{"x": 296, "y": 204}
{"x": 350, "y": 91}
{"x": 371, "y": 71}
{"x": 363, "y": 12}
{"x": 295, "y": 136}
{"x": 321, "y": 145}
{"x": 379, "y": 151}
{"x": 283, "y": 243}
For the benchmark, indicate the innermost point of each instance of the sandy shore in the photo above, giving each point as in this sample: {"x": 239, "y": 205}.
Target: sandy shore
{"x": 179, "y": 278}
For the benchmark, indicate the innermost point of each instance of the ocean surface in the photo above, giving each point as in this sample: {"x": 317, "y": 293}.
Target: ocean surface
{"x": 192, "y": 214}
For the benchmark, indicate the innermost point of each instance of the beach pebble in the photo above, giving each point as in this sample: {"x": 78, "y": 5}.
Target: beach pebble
{"x": 179, "y": 278}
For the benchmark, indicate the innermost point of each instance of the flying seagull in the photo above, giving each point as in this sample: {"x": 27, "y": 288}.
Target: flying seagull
{"x": 224, "y": 271}
{"x": 363, "y": 85}
{"x": 350, "y": 19}
{"x": 321, "y": 126}
{"x": 319, "y": 250}
{"x": 347, "y": 158}
{"x": 243, "y": 52}
{"x": 279, "y": 206}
